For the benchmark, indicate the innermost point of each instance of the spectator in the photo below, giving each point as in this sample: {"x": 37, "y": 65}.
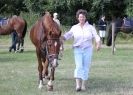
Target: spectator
{"x": 55, "y": 18}
{"x": 14, "y": 36}
{"x": 102, "y": 28}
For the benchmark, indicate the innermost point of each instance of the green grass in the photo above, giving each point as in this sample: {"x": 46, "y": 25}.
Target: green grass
{"x": 109, "y": 74}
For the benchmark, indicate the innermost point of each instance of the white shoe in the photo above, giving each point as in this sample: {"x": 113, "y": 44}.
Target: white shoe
{"x": 83, "y": 88}
{"x": 78, "y": 89}
{"x": 78, "y": 84}
{"x": 83, "y": 85}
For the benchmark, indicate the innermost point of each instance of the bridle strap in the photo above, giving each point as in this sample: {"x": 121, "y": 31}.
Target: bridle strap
{"x": 47, "y": 52}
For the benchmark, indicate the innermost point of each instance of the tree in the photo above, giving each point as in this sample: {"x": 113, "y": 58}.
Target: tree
{"x": 67, "y": 8}
{"x": 110, "y": 8}
{"x": 12, "y": 7}
{"x": 129, "y": 7}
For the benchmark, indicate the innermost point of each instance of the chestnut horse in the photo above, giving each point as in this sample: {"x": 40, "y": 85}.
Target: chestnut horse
{"x": 18, "y": 24}
{"x": 45, "y": 35}
{"x": 120, "y": 26}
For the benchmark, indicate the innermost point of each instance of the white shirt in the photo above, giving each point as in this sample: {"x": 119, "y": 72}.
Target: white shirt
{"x": 82, "y": 36}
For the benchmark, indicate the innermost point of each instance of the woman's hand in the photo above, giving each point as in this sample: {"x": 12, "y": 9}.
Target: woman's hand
{"x": 62, "y": 39}
{"x": 98, "y": 46}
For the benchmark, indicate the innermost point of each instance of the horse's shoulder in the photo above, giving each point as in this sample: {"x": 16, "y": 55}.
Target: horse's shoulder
{"x": 37, "y": 25}
{"x": 39, "y": 21}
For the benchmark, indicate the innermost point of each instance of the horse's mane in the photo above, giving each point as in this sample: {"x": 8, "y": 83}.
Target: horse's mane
{"x": 50, "y": 24}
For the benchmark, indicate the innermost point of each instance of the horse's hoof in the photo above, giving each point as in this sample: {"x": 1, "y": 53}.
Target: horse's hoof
{"x": 16, "y": 51}
{"x": 21, "y": 51}
{"x": 40, "y": 87}
{"x": 10, "y": 50}
{"x": 50, "y": 87}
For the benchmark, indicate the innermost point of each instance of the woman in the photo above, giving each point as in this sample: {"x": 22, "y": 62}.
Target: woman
{"x": 83, "y": 34}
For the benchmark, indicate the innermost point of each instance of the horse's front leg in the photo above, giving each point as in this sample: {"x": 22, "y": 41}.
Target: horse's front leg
{"x": 50, "y": 82}
{"x": 40, "y": 69}
{"x": 45, "y": 70}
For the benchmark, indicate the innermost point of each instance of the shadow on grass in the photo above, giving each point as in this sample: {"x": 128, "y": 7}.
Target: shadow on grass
{"x": 9, "y": 59}
{"x": 95, "y": 85}
{"x": 108, "y": 84}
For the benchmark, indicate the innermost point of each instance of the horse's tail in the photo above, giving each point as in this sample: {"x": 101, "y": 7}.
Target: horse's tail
{"x": 109, "y": 36}
{"x": 25, "y": 29}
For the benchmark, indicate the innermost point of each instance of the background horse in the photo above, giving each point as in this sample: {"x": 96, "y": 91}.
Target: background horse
{"x": 18, "y": 24}
{"x": 121, "y": 25}
{"x": 45, "y": 35}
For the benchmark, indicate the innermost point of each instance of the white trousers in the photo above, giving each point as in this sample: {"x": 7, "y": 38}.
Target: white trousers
{"x": 83, "y": 62}
{"x": 102, "y": 33}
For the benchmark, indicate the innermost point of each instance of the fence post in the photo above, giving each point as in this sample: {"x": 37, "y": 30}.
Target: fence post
{"x": 113, "y": 30}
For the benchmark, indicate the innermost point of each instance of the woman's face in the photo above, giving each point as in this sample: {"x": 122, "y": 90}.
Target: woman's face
{"x": 81, "y": 19}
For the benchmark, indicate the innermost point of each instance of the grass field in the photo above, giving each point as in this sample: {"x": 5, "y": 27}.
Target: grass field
{"x": 109, "y": 74}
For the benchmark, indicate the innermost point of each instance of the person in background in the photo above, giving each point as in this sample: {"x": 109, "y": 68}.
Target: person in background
{"x": 102, "y": 28}
{"x": 14, "y": 36}
{"x": 127, "y": 21}
{"x": 55, "y": 18}
{"x": 83, "y": 34}
{"x": 1, "y": 21}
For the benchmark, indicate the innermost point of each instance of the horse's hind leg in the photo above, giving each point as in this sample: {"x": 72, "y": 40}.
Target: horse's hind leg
{"x": 20, "y": 42}
{"x": 22, "y": 45}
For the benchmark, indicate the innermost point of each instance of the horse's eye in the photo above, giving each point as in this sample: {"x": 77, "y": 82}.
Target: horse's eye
{"x": 49, "y": 42}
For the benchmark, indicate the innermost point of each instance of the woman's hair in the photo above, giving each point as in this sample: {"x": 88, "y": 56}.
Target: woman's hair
{"x": 81, "y": 11}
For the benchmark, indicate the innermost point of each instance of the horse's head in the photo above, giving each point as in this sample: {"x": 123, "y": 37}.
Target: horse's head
{"x": 53, "y": 34}
{"x": 53, "y": 48}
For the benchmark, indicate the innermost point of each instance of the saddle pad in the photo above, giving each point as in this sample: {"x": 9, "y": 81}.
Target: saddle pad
{"x": 3, "y": 22}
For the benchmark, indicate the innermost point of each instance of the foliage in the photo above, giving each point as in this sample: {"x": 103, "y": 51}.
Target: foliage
{"x": 37, "y": 6}
{"x": 12, "y": 7}
{"x": 129, "y": 7}
{"x": 68, "y": 8}
{"x": 110, "y": 8}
